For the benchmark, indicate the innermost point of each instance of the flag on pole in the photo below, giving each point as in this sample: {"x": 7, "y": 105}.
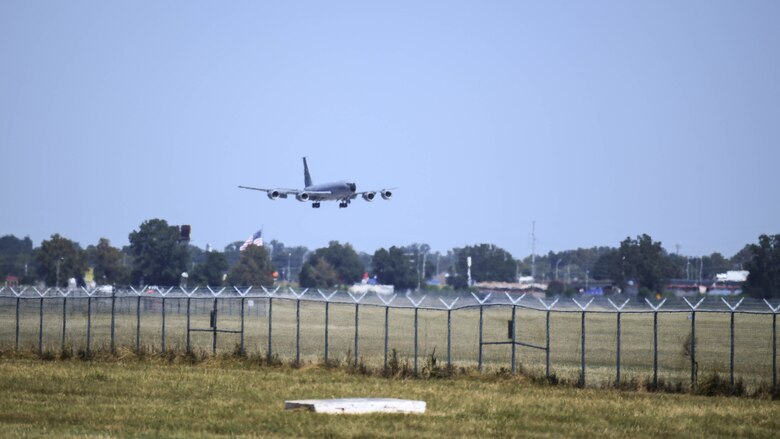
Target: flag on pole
{"x": 256, "y": 239}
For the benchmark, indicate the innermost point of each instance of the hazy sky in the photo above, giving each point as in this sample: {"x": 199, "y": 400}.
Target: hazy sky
{"x": 598, "y": 120}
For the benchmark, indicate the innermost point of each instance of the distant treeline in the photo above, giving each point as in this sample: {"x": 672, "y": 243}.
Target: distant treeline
{"x": 158, "y": 255}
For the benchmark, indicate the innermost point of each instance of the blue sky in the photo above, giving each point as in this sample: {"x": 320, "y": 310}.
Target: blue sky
{"x": 597, "y": 120}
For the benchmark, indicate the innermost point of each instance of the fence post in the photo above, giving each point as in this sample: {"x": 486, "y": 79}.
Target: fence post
{"x": 17, "y": 314}
{"x": 89, "y": 322}
{"x": 387, "y": 333}
{"x": 270, "y": 295}
{"x": 357, "y": 321}
{"x": 479, "y": 359}
{"x": 693, "y": 340}
{"x": 731, "y": 353}
{"x": 514, "y": 326}
{"x": 481, "y": 312}
{"x": 547, "y": 336}
{"x": 241, "y": 348}
{"x": 582, "y": 372}
{"x": 416, "y": 311}
{"x": 357, "y": 326}
{"x": 270, "y": 327}
{"x": 64, "y": 320}
{"x": 298, "y": 325}
{"x": 113, "y": 321}
{"x": 547, "y": 346}
{"x": 242, "y": 294}
{"x": 655, "y": 340}
{"x": 40, "y": 319}
{"x": 327, "y": 316}
{"x": 214, "y": 329}
{"x": 298, "y": 333}
{"x": 189, "y": 300}
{"x": 617, "y": 356}
{"x": 387, "y": 326}
{"x": 449, "y": 339}
{"x": 138, "y": 326}
{"x": 449, "y": 329}
{"x": 693, "y": 348}
{"x": 416, "y": 305}
{"x": 774, "y": 344}
{"x": 774, "y": 352}
{"x": 188, "y": 325}
{"x": 40, "y": 328}
{"x": 17, "y": 324}
{"x": 163, "y": 325}
{"x": 514, "y": 334}
{"x": 582, "y": 334}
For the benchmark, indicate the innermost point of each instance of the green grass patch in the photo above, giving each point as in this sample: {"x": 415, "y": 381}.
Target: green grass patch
{"x": 202, "y": 396}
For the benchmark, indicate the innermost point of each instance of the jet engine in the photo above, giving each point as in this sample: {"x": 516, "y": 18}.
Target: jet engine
{"x": 386, "y": 195}
{"x": 303, "y": 196}
{"x": 273, "y": 194}
{"x": 369, "y": 196}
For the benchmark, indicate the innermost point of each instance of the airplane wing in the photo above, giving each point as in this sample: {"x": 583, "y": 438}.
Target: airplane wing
{"x": 283, "y": 193}
{"x": 370, "y": 195}
{"x": 274, "y": 193}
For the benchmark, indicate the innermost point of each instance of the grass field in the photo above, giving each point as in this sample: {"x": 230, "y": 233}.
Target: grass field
{"x": 233, "y": 397}
{"x": 753, "y": 348}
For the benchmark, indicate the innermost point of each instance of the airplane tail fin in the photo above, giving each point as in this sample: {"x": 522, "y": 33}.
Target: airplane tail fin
{"x": 306, "y": 176}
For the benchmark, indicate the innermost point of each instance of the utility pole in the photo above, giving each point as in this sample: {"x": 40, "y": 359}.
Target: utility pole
{"x": 422, "y": 275}
{"x": 58, "y": 272}
{"x": 468, "y": 268}
{"x": 701, "y": 263}
{"x": 533, "y": 249}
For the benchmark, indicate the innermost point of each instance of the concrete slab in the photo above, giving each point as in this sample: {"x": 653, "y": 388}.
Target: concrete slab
{"x": 357, "y": 405}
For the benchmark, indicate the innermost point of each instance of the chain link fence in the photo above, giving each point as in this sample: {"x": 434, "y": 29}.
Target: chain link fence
{"x": 594, "y": 341}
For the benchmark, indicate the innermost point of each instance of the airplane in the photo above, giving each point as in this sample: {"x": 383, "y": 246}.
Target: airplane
{"x": 342, "y": 191}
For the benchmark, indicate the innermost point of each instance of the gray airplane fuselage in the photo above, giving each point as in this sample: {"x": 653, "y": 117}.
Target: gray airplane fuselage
{"x": 339, "y": 190}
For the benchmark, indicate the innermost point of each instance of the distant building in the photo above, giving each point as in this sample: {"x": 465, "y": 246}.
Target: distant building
{"x": 732, "y": 276}
{"x": 534, "y": 288}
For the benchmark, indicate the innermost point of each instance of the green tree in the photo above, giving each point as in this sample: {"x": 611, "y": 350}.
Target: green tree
{"x": 714, "y": 264}
{"x": 638, "y": 259}
{"x": 253, "y": 268}
{"x": 741, "y": 259}
{"x": 318, "y": 273}
{"x": 343, "y": 259}
{"x": 211, "y": 271}
{"x": 233, "y": 252}
{"x": 392, "y": 267}
{"x": 16, "y": 258}
{"x": 158, "y": 256}
{"x": 107, "y": 263}
{"x": 764, "y": 278}
{"x": 488, "y": 263}
{"x": 63, "y": 256}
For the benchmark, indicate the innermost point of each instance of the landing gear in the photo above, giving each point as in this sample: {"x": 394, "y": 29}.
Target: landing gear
{"x": 343, "y": 204}
{"x": 315, "y": 205}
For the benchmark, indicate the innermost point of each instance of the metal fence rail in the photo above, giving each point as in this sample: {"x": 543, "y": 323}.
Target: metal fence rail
{"x": 566, "y": 337}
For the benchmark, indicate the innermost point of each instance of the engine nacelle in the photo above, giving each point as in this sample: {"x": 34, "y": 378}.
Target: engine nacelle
{"x": 273, "y": 194}
{"x": 303, "y": 196}
{"x": 386, "y": 195}
{"x": 369, "y": 196}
